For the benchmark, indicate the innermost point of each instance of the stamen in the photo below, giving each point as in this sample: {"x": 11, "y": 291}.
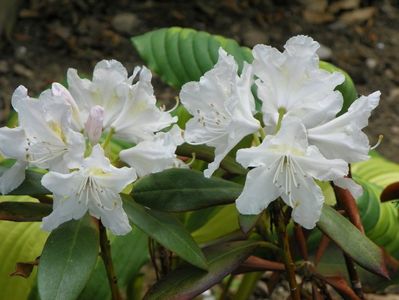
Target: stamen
{"x": 380, "y": 138}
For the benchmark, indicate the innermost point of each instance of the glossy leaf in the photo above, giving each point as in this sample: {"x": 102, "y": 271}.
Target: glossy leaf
{"x": 187, "y": 282}
{"x": 352, "y": 241}
{"x": 129, "y": 254}
{"x": 69, "y": 256}
{"x": 167, "y": 230}
{"x": 23, "y": 211}
{"x": 177, "y": 190}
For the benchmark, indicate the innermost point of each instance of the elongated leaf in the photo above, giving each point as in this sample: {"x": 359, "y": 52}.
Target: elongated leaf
{"x": 188, "y": 281}
{"x": 68, "y": 258}
{"x": 180, "y": 55}
{"x": 129, "y": 253}
{"x": 24, "y": 211}
{"x": 177, "y": 190}
{"x": 167, "y": 230}
{"x": 352, "y": 241}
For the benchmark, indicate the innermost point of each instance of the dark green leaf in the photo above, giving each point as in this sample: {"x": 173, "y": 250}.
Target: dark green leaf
{"x": 31, "y": 185}
{"x": 129, "y": 253}
{"x": 247, "y": 222}
{"x": 165, "y": 229}
{"x": 24, "y": 211}
{"x": 206, "y": 153}
{"x": 69, "y": 256}
{"x": 187, "y": 282}
{"x": 352, "y": 241}
{"x": 177, "y": 190}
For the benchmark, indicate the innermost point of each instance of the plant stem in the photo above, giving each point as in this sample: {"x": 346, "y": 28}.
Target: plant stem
{"x": 109, "y": 267}
{"x": 284, "y": 242}
{"x": 108, "y": 138}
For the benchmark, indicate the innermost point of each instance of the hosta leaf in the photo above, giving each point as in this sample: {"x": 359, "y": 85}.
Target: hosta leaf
{"x": 177, "y": 190}
{"x": 20, "y": 242}
{"x": 23, "y": 211}
{"x": 129, "y": 254}
{"x": 69, "y": 256}
{"x": 180, "y": 55}
{"x": 187, "y": 282}
{"x": 165, "y": 229}
{"x": 353, "y": 242}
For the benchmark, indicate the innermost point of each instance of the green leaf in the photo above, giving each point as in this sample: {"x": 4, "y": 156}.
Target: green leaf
{"x": 180, "y": 55}
{"x": 129, "y": 254}
{"x": 347, "y": 89}
{"x": 20, "y": 242}
{"x": 69, "y": 256}
{"x": 187, "y": 282}
{"x": 176, "y": 190}
{"x": 24, "y": 211}
{"x": 352, "y": 241}
{"x": 166, "y": 230}
{"x": 206, "y": 153}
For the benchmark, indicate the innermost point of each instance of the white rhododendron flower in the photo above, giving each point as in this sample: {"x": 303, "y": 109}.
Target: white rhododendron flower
{"x": 221, "y": 104}
{"x": 292, "y": 83}
{"x": 155, "y": 155}
{"x": 94, "y": 187}
{"x": 129, "y": 109}
{"x": 285, "y": 166}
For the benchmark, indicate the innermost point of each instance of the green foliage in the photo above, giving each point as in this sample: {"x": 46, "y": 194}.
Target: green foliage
{"x": 167, "y": 230}
{"x": 353, "y": 242}
{"x": 129, "y": 254}
{"x": 23, "y": 211}
{"x": 188, "y": 282}
{"x": 68, "y": 258}
{"x": 177, "y": 190}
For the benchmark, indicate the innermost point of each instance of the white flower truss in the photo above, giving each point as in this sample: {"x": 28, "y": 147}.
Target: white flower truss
{"x": 94, "y": 187}
{"x": 43, "y": 139}
{"x": 284, "y": 165}
{"x": 221, "y": 104}
{"x": 129, "y": 109}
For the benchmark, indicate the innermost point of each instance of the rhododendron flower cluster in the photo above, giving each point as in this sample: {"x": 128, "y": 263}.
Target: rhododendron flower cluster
{"x": 303, "y": 139}
{"x": 60, "y": 132}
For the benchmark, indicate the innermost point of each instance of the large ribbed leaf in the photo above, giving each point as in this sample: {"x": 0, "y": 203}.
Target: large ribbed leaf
{"x": 180, "y": 55}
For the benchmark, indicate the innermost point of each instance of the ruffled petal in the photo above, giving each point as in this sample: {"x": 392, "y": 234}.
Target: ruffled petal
{"x": 13, "y": 177}
{"x": 258, "y": 191}
{"x": 349, "y": 184}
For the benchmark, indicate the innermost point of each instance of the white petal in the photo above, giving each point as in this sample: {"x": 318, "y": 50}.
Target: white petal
{"x": 13, "y": 143}
{"x": 257, "y": 156}
{"x": 258, "y": 192}
{"x": 307, "y": 201}
{"x": 13, "y": 177}
{"x": 349, "y": 184}
{"x": 319, "y": 167}
{"x": 342, "y": 137}
{"x": 116, "y": 219}
{"x": 140, "y": 118}
{"x": 155, "y": 155}
{"x": 65, "y": 185}
{"x": 63, "y": 211}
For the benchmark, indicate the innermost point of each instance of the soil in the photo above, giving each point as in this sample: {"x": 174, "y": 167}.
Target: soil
{"x": 361, "y": 37}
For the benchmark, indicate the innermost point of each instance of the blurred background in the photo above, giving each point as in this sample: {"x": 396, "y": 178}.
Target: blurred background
{"x": 41, "y": 39}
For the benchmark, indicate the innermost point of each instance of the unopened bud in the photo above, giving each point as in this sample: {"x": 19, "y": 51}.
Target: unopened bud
{"x": 94, "y": 124}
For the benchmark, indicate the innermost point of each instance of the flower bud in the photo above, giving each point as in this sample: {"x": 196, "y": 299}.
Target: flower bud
{"x": 94, "y": 124}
